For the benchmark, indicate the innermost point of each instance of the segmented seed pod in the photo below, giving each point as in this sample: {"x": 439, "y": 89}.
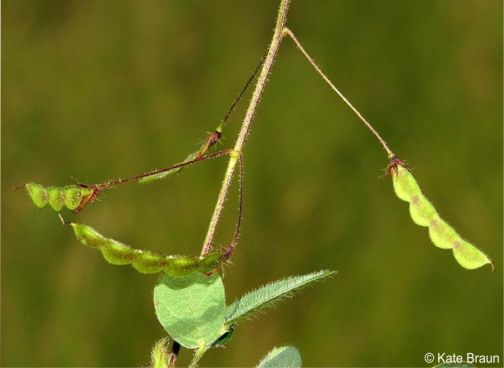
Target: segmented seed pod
{"x": 424, "y": 214}
{"x": 145, "y": 261}
{"x": 70, "y": 196}
{"x": 38, "y": 194}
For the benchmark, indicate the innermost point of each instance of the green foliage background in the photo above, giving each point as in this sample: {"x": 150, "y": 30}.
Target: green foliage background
{"x": 99, "y": 89}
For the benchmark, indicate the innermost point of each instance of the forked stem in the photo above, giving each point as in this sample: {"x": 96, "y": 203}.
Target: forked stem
{"x": 287, "y": 32}
{"x": 246, "y": 124}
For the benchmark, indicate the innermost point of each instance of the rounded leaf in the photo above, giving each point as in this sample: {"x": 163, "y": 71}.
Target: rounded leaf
{"x": 191, "y": 308}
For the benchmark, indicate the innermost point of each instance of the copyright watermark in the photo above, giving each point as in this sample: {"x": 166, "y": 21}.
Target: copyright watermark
{"x": 469, "y": 358}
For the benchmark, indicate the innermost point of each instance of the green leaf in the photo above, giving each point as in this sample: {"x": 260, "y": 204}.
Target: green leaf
{"x": 424, "y": 214}
{"x": 191, "y": 308}
{"x": 144, "y": 261}
{"x": 268, "y": 294}
{"x": 284, "y": 356}
{"x": 151, "y": 178}
{"x": 160, "y": 355}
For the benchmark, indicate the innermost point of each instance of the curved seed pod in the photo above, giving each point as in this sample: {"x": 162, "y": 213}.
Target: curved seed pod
{"x": 70, "y": 196}
{"x": 407, "y": 187}
{"x": 423, "y": 213}
{"x": 145, "y": 261}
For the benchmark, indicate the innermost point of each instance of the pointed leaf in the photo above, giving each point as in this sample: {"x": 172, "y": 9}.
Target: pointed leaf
{"x": 270, "y": 293}
{"x": 284, "y": 357}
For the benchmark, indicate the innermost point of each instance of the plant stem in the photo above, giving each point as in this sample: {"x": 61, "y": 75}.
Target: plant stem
{"x": 115, "y": 182}
{"x": 246, "y": 124}
{"x": 242, "y": 92}
{"x": 198, "y": 354}
{"x": 288, "y": 32}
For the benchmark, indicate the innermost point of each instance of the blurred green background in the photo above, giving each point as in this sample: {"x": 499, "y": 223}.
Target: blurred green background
{"x": 102, "y": 89}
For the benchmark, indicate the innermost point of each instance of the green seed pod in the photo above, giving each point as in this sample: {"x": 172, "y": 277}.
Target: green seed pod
{"x": 423, "y": 213}
{"x": 421, "y": 210}
{"x": 118, "y": 254}
{"x": 468, "y": 256}
{"x": 89, "y": 236}
{"x": 211, "y": 261}
{"x": 405, "y": 185}
{"x": 70, "y": 196}
{"x": 56, "y": 198}
{"x": 144, "y": 261}
{"x": 73, "y": 196}
{"x": 149, "y": 262}
{"x": 37, "y": 194}
{"x": 442, "y": 234}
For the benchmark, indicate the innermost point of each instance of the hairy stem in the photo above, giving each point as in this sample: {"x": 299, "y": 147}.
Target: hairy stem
{"x": 288, "y": 32}
{"x": 115, "y": 182}
{"x": 198, "y": 354}
{"x": 242, "y": 92}
{"x": 246, "y": 124}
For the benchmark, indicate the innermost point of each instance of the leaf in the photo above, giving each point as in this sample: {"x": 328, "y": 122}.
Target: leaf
{"x": 151, "y": 178}
{"x": 270, "y": 293}
{"x": 191, "y": 308}
{"x": 424, "y": 214}
{"x": 160, "y": 355}
{"x": 144, "y": 261}
{"x": 284, "y": 356}
{"x": 70, "y": 196}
